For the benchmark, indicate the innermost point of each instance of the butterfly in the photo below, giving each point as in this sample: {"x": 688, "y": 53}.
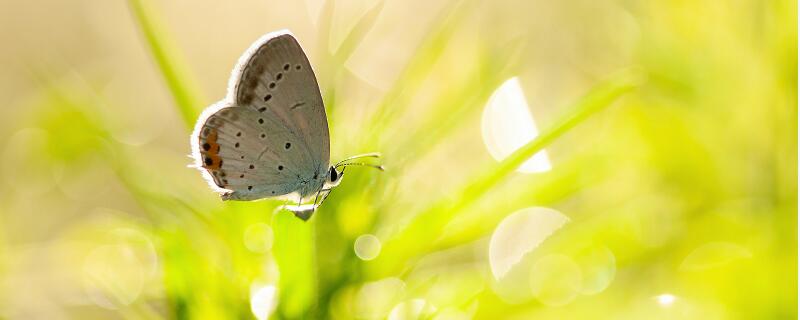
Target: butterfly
{"x": 268, "y": 138}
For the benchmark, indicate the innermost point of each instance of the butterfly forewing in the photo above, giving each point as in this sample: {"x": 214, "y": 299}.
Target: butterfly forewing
{"x": 270, "y": 136}
{"x": 278, "y": 81}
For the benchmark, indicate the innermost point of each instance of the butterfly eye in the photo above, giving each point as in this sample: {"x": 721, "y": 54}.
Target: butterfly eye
{"x": 334, "y": 175}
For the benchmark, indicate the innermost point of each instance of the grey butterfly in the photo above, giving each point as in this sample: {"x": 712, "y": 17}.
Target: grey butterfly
{"x": 269, "y": 136}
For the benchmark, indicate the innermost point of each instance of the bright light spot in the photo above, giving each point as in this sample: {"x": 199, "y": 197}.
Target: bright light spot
{"x": 375, "y": 299}
{"x": 413, "y": 309}
{"x": 263, "y": 300}
{"x": 714, "y": 254}
{"x": 555, "y": 280}
{"x": 665, "y": 299}
{"x": 367, "y": 247}
{"x": 520, "y": 233}
{"x": 113, "y": 276}
{"x": 507, "y": 125}
{"x": 598, "y": 267}
{"x": 258, "y": 238}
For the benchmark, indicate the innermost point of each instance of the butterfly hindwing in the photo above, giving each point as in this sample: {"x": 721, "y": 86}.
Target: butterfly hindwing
{"x": 246, "y": 156}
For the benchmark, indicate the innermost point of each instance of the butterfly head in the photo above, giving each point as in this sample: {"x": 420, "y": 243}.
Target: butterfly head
{"x": 334, "y": 176}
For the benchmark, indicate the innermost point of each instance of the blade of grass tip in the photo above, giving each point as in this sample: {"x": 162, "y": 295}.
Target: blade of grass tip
{"x": 325, "y": 75}
{"x": 184, "y": 92}
{"x": 325, "y": 21}
{"x": 346, "y": 48}
{"x": 357, "y": 34}
{"x": 426, "y": 226}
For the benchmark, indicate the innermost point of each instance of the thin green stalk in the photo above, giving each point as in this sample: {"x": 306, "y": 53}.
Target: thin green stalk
{"x": 357, "y": 34}
{"x": 184, "y": 91}
{"x": 294, "y": 254}
{"x": 293, "y": 238}
{"x": 427, "y": 226}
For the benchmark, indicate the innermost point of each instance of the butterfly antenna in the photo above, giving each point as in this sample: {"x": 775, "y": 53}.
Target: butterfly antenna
{"x": 358, "y": 164}
{"x": 359, "y": 156}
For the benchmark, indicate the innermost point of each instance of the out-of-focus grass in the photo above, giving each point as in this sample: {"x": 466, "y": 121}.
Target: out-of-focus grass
{"x": 688, "y": 182}
{"x": 180, "y": 83}
{"x": 427, "y": 225}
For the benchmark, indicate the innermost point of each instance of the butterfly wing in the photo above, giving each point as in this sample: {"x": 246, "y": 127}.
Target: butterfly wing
{"x": 269, "y": 137}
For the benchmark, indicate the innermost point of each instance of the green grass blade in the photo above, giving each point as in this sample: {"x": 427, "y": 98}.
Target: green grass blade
{"x": 427, "y": 226}
{"x": 597, "y": 99}
{"x": 180, "y": 83}
{"x": 294, "y": 254}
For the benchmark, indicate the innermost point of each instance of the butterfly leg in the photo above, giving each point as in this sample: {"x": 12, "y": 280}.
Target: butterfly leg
{"x": 316, "y": 198}
{"x": 299, "y": 201}
{"x": 325, "y": 196}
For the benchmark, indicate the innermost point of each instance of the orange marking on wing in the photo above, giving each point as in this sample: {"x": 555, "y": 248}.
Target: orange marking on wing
{"x": 212, "y": 153}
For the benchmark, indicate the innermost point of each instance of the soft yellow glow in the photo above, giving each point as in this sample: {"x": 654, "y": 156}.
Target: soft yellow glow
{"x": 507, "y": 125}
{"x": 520, "y": 233}
{"x": 451, "y": 313}
{"x": 413, "y": 309}
{"x": 263, "y": 299}
{"x": 376, "y": 299}
{"x": 258, "y": 238}
{"x": 113, "y": 276}
{"x": 598, "y": 266}
{"x": 367, "y": 247}
{"x": 555, "y": 280}
{"x": 23, "y": 164}
{"x": 714, "y": 254}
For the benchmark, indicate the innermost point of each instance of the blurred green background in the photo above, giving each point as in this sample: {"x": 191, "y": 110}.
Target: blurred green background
{"x": 668, "y": 189}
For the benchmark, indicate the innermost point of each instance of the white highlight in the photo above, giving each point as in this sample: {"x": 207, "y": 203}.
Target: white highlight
{"x": 300, "y": 208}
{"x": 263, "y": 300}
{"x": 665, "y": 300}
{"x": 507, "y": 125}
{"x": 520, "y": 233}
{"x": 367, "y": 247}
{"x": 413, "y": 309}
